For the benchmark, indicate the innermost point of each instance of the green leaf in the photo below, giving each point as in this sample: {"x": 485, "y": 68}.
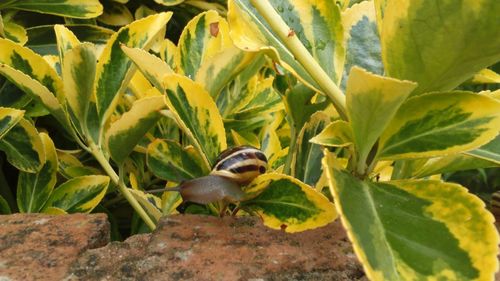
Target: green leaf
{"x": 415, "y": 230}
{"x": 300, "y": 105}
{"x": 8, "y": 119}
{"x": 335, "y": 134}
{"x": 167, "y": 160}
{"x": 372, "y": 101}
{"x": 66, "y": 8}
{"x": 126, "y": 132}
{"x": 284, "y": 202}
{"x": 316, "y": 23}
{"x": 362, "y": 40}
{"x": 489, "y": 151}
{"x": 79, "y": 195}
{"x": 439, "y": 44}
{"x": 79, "y": 66}
{"x": 439, "y": 124}
{"x": 153, "y": 68}
{"x": 306, "y": 163}
{"x": 116, "y": 14}
{"x": 114, "y": 67}
{"x": 24, "y": 147}
{"x": 197, "y": 115}
{"x": 150, "y": 203}
{"x": 4, "y": 207}
{"x": 34, "y": 189}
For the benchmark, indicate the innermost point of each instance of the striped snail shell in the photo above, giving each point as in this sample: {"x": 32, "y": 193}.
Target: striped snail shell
{"x": 241, "y": 164}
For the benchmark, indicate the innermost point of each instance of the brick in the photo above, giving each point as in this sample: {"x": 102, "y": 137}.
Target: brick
{"x": 189, "y": 247}
{"x": 42, "y": 247}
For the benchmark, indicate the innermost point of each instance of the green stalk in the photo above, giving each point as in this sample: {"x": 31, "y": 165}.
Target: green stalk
{"x": 302, "y": 55}
{"x": 97, "y": 153}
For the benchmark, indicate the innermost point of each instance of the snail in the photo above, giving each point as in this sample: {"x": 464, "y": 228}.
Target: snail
{"x": 233, "y": 168}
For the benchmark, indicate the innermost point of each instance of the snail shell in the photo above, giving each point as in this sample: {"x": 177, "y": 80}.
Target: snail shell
{"x": 240, "y": 164}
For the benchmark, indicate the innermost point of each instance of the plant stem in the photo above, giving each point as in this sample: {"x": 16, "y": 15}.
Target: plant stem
{"x": 302, "y": 55}
{"x": 97, "y": 153}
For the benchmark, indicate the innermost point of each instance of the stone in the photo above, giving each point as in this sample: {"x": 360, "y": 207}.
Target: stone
{"x": 191, "y": 247}
{"x": 42, "y": 247}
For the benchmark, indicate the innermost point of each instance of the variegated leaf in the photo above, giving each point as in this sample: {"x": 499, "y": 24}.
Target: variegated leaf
{"x": 489, "y": 151}
{"x": 306, "y": 163}
{"x": 456, "y": 39}
{"x": 79, "y": 195}
{"x": 335, "y": 134}
{"x": 152, "y": 67}
{"x": 32, "y": 74}
{"x": 150, "y": 203}
{"x": 13, "y": 31}
{"x": 438, "y": 124}
{"x": 317, "y": 24}
{"x": 169, "y": 2}
{"x": 197, "y": 115}
{"x": 284, "y": 202}
{"x": 31, "y": 64}
{"x": 167, "y": 53}
{"x": 54, "y": 211}
{"x": 79, "y": 66}
{"x": 215, "y": 73}
{"x": 362, "y": 41}
{"x": 168, "y": 160}
{"x": 415, "y": 230}
{"x": 113, "y": 69}
{"x": 270, "y": 143}
{"x": 278, "y": 161}
{"x": 203, "y": 37}
{"x": 372, "y": 101}
{"x": 486, "y": 76}
{"x": 23, "y": 147}
{"x": 8, "y": 119}
{"x": 169, "y": 202}
{"x": 126, "y": 132}
{"x": 143, "y": 11}
{"x": 263, "y": 99}
{"x": 66, "y": 40}
{"x": 43, "y": 40}
{"x": 34, "y": 189}
{"x": 70, "y": 167}
{"x": 451, "y": 163}
{"x": 67, "y": 8}
{"x": 116, "y": 14}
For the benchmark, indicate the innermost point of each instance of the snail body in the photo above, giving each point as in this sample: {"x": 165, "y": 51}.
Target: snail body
{"x": 210, "y": 189}
{"x": 233, "y": 168}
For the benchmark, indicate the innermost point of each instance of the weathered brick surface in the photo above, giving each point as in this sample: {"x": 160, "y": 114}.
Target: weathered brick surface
{"x": 188, "y": 247}
{"x": 42, "y": 247}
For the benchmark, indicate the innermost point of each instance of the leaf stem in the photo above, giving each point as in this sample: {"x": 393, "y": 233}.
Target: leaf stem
{"x": 302, "y": 55}
{"x": 97, "y": 153}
